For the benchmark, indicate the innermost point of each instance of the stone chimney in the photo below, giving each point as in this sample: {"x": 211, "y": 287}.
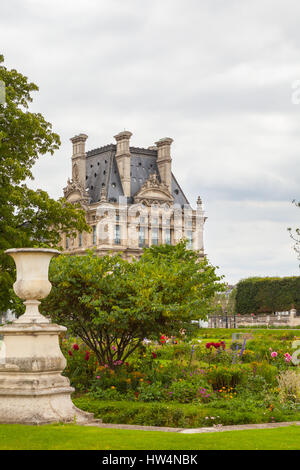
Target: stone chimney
{"x": 164, "y": 161}
{"x": 79, "y": 158}
{"x": 123, "y": 160}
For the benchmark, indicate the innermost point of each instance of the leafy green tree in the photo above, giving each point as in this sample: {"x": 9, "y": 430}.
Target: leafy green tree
{"x": 113, "y": 304}
{"x": 27, "y": 218}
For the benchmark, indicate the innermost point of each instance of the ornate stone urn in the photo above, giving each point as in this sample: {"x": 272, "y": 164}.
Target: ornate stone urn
{"x": 32, "y": 280}
{"x": 32, "y": 389}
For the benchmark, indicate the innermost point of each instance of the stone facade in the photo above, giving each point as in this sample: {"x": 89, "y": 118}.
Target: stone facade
{"x": 131, "y": 199}
{"x": 290, "y": 319}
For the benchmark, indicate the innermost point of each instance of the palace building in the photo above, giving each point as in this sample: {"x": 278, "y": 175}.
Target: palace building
{"x": 131, "y": 198}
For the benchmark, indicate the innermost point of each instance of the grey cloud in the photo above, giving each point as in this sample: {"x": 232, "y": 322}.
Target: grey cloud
{"x": 215, "y": 75}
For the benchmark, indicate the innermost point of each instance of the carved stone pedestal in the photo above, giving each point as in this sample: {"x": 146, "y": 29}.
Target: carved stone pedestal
{"x": 32, "y": 389}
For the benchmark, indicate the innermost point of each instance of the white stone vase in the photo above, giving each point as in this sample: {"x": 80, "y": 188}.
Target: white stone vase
{"x": 32, "y": 389}
{"x": 32, "y": 282}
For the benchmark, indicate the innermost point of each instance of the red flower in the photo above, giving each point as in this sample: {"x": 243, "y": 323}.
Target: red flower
{"x": 75, "y": 347}
{"x": 70, "y": 352}
{"x": 87, "y": 356}
{"x": 208, "y": 345}
{"x": 154, "y": 355}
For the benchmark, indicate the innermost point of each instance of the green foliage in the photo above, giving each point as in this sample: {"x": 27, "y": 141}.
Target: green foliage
{"x": 113, "y": 304}
{"x": 224, "y": 376}
{"x": 28, "y": 218}
{"x": 163, "y": 377}
{"x": 183, "y": 415}
{"x": 267, "y": 295}
{"x": 81, "y": 365}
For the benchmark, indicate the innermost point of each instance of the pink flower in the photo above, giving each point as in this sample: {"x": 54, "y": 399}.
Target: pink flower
{"x": 114, "y": 348}
{"x": 287, "y": 357}
{"x": 274, "y": 354}
{"x": 98, "y": 377}
{"x": 118, "y": 363}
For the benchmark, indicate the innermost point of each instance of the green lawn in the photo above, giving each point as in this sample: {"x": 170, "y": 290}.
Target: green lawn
{"x": 72, "y": 437}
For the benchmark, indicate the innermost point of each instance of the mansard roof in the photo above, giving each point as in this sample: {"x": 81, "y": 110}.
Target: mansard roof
{"x": 102, "y": 173}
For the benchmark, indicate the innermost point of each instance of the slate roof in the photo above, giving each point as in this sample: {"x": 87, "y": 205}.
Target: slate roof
{"x": 102, "y": 172}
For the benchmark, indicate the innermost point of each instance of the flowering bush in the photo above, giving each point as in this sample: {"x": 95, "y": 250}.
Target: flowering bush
{"x": 81, "y": 365}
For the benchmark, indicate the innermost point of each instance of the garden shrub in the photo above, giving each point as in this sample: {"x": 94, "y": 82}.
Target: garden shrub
{"x": 221, "y": 375}
{"x": 150, "y": 392}
{"x": 265, "y": 370}
{"x": 182, "y": 415}
{"x": 289, "y": 385}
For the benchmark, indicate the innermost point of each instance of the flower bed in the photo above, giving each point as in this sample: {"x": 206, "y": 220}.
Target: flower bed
{"x": 250, "y": 379}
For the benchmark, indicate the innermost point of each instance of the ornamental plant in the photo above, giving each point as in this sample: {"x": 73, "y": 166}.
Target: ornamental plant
{"x": 81, "y": 365}
{"x": 289, "y": 385}
{"x": 113, "y": 304}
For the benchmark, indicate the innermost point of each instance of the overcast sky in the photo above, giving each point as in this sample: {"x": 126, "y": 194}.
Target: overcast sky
{"x": 215, "y": 75}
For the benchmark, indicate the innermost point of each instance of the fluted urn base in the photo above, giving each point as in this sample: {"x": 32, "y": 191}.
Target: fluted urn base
{"x": 32, "y": 389}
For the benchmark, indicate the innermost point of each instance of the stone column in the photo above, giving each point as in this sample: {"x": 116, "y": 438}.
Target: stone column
{"x": 32, "y": 389}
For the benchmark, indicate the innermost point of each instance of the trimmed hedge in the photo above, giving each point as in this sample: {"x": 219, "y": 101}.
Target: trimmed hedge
{"x": 267, "y": 295}
{"x": 179, "y": 415}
